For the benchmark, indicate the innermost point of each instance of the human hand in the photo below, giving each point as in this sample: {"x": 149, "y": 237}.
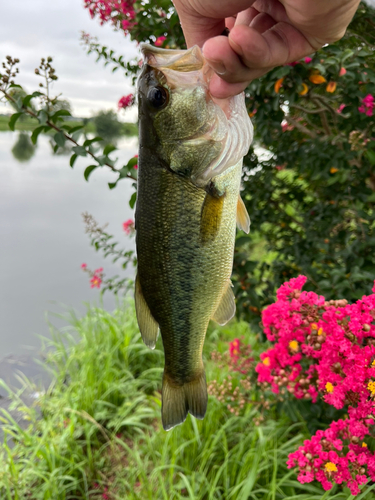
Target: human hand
{"x": 263, "y": 34}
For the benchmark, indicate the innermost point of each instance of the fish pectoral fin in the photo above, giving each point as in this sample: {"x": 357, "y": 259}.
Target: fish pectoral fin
{"x": 211, "y": 214}
{"x": 147, "y": 325}
{"x": 179, "y": 400}
{"x": 243, "y": 219}
{"x": 227, "y": 307}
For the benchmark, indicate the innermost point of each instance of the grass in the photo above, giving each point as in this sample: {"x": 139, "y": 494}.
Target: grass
{"x": 96, "y": 432}
{"x": 27, "y": 123}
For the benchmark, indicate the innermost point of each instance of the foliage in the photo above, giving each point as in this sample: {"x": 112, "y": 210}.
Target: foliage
{"x": 96, "y": 432}
{"x": 23, "y": 149}
{"x": 57, "y": 122}
{"x": 107, "y": 125}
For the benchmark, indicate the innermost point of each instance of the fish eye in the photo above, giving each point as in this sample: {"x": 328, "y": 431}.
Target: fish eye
{"x": 158, "y": 97}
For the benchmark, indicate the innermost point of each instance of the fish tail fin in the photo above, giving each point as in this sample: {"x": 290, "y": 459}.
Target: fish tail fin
{"x": 179, "y": 400}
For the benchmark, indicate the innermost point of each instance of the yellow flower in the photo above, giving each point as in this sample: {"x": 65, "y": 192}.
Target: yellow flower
{"x": 304, "y": 90}
{"x": 331, "y": 87}
{"x": 317, "y": 79}
{"x": 314, "y": 326}
{"x": 267, "y": 361}
{"x": 373, "y": 363}
{"x": 333, "y": 170}
{"x": 293, "y": 345}
{"x": 371, "y": 387}
{"x": 320, "y": 331}
{"x": 329, "y": 387}
{"x": 364, "y": 445}
{"x": 330, "y": 467}
{"x": 278, "y": 84}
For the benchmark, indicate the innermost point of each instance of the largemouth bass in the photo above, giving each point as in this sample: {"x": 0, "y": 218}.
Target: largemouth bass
{"x": 188, "y": 202}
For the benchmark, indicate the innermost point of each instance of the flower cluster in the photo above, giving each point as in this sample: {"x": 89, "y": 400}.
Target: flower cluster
{"x": 328, "y": 349}
{"x": 120, "y": 13}
{"x": 126, "y": 101}
{"x": 367, "y": 105}
{"x": 96, "y": 277}
{"x": 128, "y": 226}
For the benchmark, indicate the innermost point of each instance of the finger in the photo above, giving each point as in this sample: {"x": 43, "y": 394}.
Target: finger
{"x": 262, "y": 22}
{"x": 277, "y": 46}
{"x": 221, "y": 89}
{"x": 224, "y": 60}
{"x": 246, "y": 16}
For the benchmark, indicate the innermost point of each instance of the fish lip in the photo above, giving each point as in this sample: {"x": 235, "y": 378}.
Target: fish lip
{"x": 183, "y": 61}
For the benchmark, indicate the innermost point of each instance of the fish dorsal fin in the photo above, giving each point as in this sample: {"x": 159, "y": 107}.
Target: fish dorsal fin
{"x": 212, "y": 210}
{"x": 227, "y": 307}
{"x": 147, "y": 325}
{"x": 243, "y": 219}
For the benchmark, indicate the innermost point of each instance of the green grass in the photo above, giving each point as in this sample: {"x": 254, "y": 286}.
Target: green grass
{"x": 97, "y": 429}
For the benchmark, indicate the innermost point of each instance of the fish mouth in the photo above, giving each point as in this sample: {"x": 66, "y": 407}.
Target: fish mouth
{"x": 183, "y": 61}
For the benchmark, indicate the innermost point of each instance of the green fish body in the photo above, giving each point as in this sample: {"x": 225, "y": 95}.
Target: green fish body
{"x": 187, "y": 206}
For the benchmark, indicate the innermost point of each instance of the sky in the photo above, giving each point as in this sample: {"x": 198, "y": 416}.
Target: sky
{"x": 32, "y": 29}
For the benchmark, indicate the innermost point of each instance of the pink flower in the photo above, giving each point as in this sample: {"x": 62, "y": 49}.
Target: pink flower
{"x": 342, "y": 71}
{"x": 308, "y": 60}
{"x": 234, "y": 348}
{"x": 97, "y": 278}
{"x": 159, "y": 41}
{"x": 119, "y": 13}
{"x": 83, "y": 266}
{"x": 367, "y": 106}
{"x": 126, "y": 101}
{"x": 341, "y": 108}
{"x": 128, "y": 226}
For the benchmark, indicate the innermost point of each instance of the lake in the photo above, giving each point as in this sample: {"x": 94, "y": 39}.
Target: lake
{"x": 43, "y": 243}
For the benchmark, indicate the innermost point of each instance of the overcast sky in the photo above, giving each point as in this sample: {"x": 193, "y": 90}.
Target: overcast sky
{"x": 31, "y": 29}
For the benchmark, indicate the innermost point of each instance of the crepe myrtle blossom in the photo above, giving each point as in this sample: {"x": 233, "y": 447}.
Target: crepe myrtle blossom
{"x": 97, "y": 278}
{"x": 120, "y": 13}
{"x": 128, "y": 226}
{"x": 325, "y": 349}
{"x": 159, "y": 41}
{"x": 126, "y": 101}
{"x": 367, "y": 105}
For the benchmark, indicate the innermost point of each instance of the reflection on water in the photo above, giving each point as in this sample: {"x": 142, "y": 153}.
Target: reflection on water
{"x": 42, "y": 237}
{"x": 23, "y": 149}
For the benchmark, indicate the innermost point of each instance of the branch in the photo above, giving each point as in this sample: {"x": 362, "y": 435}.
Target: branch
{"x": 67, "y": 136}
{"x": 300, "y": 127}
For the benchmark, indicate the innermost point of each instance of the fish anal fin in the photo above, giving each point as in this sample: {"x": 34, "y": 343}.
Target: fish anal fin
{"x": 180, "y": 399}
{"x": 227, "y": 307}
{"x": 243, "y": 219}
{"x": 146, "y": 322}
{"x": 211, "y": 214}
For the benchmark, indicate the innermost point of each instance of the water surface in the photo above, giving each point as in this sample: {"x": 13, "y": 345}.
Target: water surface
{"x": 42, "y": 239}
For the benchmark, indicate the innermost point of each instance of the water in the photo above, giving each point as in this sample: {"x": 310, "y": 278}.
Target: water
{"x": 42, "y": 239}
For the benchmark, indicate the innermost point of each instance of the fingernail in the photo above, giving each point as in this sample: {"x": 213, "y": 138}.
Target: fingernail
{"x": 217, "y": 66}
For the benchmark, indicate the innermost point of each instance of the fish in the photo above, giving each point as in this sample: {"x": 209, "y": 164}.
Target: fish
{"x": 191, "y": 150}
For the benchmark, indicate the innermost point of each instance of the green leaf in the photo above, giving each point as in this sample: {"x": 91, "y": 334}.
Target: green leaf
{"x": 131, "y": 163}
{"x": 13, "y": 119}
{"x": 27, "y": 99}
{"x": 61, "y": 112}
{"x": 112, "y": 185}
{"x": 370, "y": 155}
{"x": 88, "y": 171}
{"x": 72, "y": 160}
{"x": 90, "y": 141}
{"x": 60, "y": 139}
{"x": 80, "y": 150}
{"x": 108, "y": 149}
{"x": 133, "y": 199}
{"x": 36, "y": 132}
